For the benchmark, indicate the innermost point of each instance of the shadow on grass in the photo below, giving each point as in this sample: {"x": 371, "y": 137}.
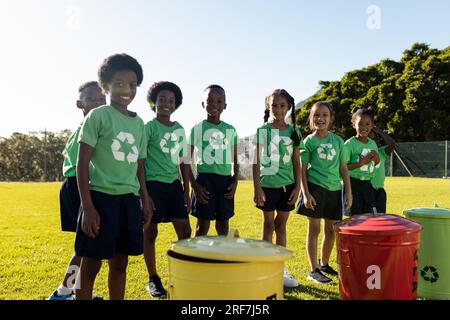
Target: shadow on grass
{"x": 317, "y": 293}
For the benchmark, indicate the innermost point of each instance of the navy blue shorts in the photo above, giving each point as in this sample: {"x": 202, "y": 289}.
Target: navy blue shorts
{"x": 363, "y": 196}
{"x": 380, "y": 200}
{"x": 169, "y": 201}
{"x": 218, "y": 207}
{"x": 69, "y": 204}
{"x": 278, "y": 198}
{"x": 329, "y": 204}
{"x": 121, "y": 227}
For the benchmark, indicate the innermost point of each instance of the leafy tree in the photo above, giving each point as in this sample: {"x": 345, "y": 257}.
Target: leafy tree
{"x": 412, "y": 96}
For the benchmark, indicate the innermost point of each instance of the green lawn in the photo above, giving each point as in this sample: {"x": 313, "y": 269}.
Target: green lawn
{"x": 34, "y": 252}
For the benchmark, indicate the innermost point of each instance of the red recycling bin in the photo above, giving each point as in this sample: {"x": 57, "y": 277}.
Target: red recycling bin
{"x": 378, "y": 257}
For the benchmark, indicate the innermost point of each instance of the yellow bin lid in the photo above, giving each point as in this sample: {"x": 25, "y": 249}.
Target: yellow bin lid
{"x": 231, "y": 248}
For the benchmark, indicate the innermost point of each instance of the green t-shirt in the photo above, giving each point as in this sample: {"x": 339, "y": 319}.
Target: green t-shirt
{"x": 379, "y": 173}
{"x": 118, "y": 141}
{"x": 277, "y": 169}
{"x": 324, "y": 156}
{"x": 165, "y": 145}
{"x": 355, "y": 148}
{"x": 71, "y": 154}
{"x": 214, "y": 147}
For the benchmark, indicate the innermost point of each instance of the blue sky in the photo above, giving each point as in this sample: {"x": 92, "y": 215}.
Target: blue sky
{"x": 249, "y": 47}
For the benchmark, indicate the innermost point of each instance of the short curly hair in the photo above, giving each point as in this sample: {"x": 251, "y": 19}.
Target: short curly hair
{"x": 118, "y": 62}
{"x": 87, "y": 85}
{"x": 157, "y": 87}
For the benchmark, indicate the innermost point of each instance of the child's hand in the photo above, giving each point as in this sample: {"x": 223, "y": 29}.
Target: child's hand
{"x": 187, "y": 201}
{"x": 148, "y": 208}
{"x": 310, "y": 202}
{"x": 363, "y": 160}
{"x": 90, "y": 223}
{"x": 260, "y": 197}
{"x": 201, "y": 193}
{"x": 232, "y": 190}
{"x": 294, "y": 196}
{"x": 375, "y": 156}
{"x": 348, "y": 201}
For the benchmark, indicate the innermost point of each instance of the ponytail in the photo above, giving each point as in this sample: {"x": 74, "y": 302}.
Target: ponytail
{"x": 295, "y": 136}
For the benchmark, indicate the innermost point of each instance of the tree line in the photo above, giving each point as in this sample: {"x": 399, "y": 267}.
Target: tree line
{"x": 36, "y": 156}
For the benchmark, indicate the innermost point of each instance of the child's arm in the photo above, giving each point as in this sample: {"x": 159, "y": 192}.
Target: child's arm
{"x": 387, "y": 139}
{"x": 186, "y": 173}
{"x": 147, "y": 201}
{"x": 347, "y": 186}
{"x": 90, "y": 221}
{"x": 234, "y": 183}
{"x": 200, "y": 193}
{"x": 298, "y": 176}
{"x": 259, "y": 197}
{"x": 309, "y": 200}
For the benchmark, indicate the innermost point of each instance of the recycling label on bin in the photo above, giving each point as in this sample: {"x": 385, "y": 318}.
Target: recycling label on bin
{"x": 430, "y": 274}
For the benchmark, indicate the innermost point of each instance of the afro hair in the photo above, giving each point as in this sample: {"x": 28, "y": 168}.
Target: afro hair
{"x": 157, "y": 87}
{"x": 118, "y": 62}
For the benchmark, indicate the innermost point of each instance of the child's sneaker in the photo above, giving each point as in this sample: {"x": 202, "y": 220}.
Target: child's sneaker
{"x": 155, "y": 287}
{"x": 328, "y": 270}
{"x": 318, "y": 277}
{"x": 288, "y": 280}
{"x": 56, "y": 296}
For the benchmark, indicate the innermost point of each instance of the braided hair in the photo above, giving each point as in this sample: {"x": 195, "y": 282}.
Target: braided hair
{"x": 281, "y": 92}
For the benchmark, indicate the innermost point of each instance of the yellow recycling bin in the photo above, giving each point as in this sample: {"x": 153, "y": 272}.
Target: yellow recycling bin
{"x": 226, "y": 268}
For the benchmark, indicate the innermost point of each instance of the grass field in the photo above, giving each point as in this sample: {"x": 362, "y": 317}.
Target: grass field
{"x": 34, "y": 252}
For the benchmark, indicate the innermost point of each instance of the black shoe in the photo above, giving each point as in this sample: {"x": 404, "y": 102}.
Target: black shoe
{"x": 155, "y": 287}
{"x": 318, "y": 277}
{"x": 327, "y": 269}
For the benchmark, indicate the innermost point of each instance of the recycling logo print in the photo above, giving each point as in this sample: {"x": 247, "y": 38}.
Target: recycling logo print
{"x": 169, "y": 137}
{"x": 274, "y": 149}
{"x": 218, "y": 141}
{"x": 429, "y": 273}
{"x": 118, "y": 143}
{"x": 326, "y": 151}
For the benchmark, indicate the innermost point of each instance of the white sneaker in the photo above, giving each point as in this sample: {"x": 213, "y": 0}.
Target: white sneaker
{"x": 288, "y": 280}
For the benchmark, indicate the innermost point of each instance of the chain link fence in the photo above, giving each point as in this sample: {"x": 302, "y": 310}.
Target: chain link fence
{"x": 416, "y": 159}
{"x": 420, "y": 159}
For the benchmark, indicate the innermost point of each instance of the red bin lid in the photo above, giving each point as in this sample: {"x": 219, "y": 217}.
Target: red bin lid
{"x": 376, "y": 225}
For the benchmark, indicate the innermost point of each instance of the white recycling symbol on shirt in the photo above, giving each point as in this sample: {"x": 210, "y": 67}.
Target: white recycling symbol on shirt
{"x": 370, "y": 166}
{"x": 274, "y": 150}
{"x": 169, "y": 136}
{"x": 218, "y": 141}
{"x": 326, "y": 151}
{"x": 122, "y": 137}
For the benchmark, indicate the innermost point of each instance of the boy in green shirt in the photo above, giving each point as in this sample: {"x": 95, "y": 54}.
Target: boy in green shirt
{"x": 361, "y": 156}
{"x": 166, "y": 148}
{"x": 215, "y": 143}
{"x": 90, "y": 97}
{"x": 110, "y": 175}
